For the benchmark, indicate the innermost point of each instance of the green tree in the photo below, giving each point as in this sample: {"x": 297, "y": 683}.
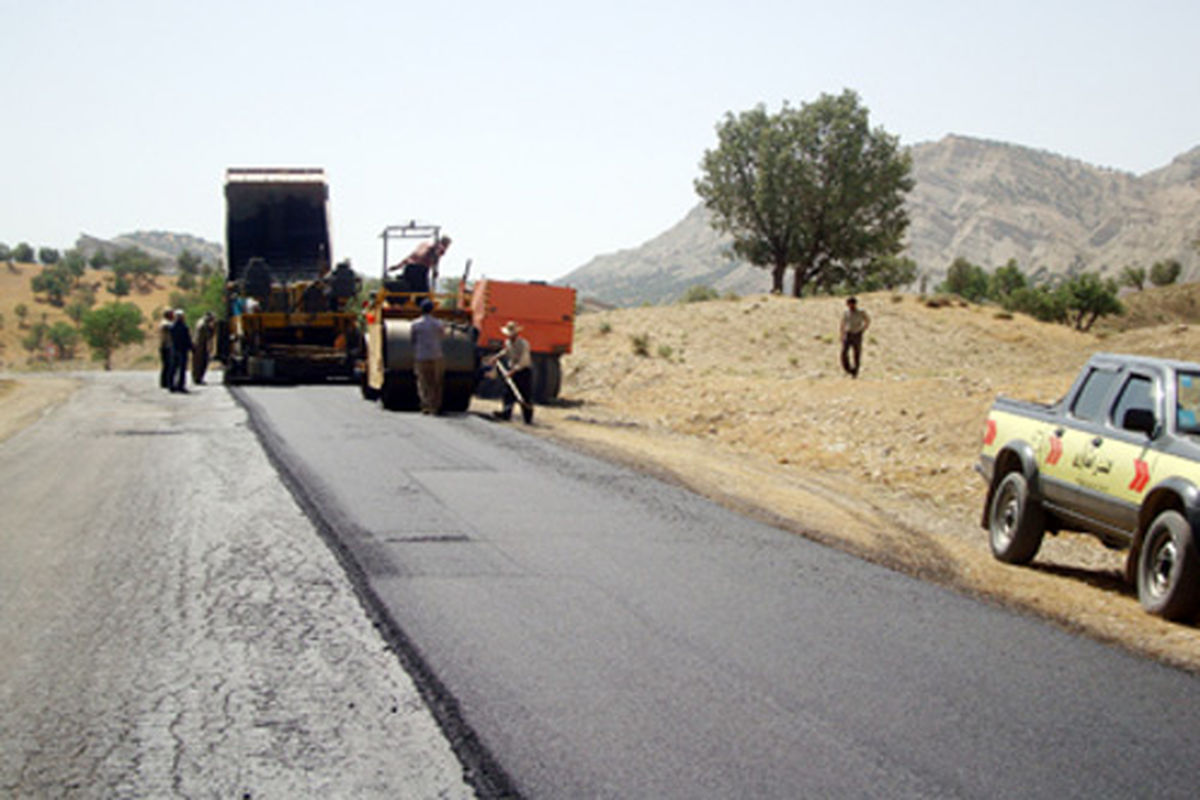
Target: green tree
{"x": 138, "y": 266}
{"x": 64, "y": 337}
{"x": 74, "y": 262}
{"x": 813, "y": 189}
{"x": 1088, "y": 297}
{"x": 188, "y": 262}
{"x": 968, "y": 281}
{"x": 54, "y": 281}
{"x": 889, "y": 272}
{"x": 22, "y": 312}
{"x": 1040, "y": 302}
{"x": 100, "y": 260}
{"x": 23, "y": 253}
{"x": 48, "y": 255}
{"x": 1134, "y": 277}
{"x": 1005, "y": 281}
{"x": 110, "y": 327}
{"x": 36, "y": 338}
{"x": 119, "y": 285}
{"x": 1164, "y": 273}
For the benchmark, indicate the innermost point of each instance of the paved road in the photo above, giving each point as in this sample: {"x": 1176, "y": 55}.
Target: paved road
{"x": 171, "y": 624}
{"x": 607, "y": 635}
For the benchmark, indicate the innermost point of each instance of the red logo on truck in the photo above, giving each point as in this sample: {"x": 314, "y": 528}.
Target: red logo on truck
{"x": 1141, "y": 477}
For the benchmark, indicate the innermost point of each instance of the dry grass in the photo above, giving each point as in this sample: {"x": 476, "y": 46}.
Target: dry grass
{"x": 15, "y": 290}
{"x": 751, "y": 407}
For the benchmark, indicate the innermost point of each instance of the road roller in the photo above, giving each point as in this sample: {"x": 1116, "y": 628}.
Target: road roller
{"x": 389, "y": 374}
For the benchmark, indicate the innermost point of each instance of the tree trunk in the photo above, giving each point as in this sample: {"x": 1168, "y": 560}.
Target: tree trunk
{"x": 777, "y": 273}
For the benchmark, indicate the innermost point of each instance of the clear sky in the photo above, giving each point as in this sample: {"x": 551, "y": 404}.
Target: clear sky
{"x": 538, "y": 134}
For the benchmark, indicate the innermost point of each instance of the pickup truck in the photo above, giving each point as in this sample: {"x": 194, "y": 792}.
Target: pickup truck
{"x": 1118, "y": 457}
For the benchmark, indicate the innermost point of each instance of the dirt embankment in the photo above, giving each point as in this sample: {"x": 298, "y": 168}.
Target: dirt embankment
{"x": 22, "y": 402}
{"x": 744, "y": 401}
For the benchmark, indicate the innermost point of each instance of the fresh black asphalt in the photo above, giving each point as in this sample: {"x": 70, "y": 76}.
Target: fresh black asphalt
{"x": 595, "y": 632}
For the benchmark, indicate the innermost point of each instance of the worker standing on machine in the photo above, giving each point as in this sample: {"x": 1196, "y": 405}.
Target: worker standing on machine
{"x": 421, "y": 264}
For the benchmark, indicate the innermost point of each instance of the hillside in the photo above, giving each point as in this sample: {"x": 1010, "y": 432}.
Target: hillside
{"x": 163, "y": 245}
{"x": 985, "y": 201}
{"x": 14, "y": 290}
{"x": 744, "y": 401}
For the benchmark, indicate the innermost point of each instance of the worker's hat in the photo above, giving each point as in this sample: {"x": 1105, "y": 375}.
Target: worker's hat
{"x": 511, "y": 328}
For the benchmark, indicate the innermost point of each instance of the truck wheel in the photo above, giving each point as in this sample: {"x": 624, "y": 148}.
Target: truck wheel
{"x": 1016, "y": 523}
{"x": 551, "y": 378}
{"x": 1168, "y": 574}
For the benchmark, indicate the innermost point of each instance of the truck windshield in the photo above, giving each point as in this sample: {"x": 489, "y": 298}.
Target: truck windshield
{"x": 1187, "y": 402}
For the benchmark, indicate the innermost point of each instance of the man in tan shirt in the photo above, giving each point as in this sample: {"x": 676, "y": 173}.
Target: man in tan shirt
{"x": 854, "y": 325}
{"x": 516, "y": 359}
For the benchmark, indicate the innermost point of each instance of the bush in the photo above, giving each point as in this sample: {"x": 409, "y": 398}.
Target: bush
{"x": 641, "y": 344}
{"x": 700, "y": 294}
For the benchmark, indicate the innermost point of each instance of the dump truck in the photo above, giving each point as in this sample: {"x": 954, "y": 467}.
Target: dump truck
{"x": 546, "y": 315}
{"x": 389, "y": 373}
{"x": 289, "y": 316}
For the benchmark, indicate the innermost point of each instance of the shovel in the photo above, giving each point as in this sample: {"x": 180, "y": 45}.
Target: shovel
{"x": 511, "y": 385}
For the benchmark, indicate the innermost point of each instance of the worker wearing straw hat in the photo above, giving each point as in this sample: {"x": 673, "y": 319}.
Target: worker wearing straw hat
{"x": 515, "y": 362}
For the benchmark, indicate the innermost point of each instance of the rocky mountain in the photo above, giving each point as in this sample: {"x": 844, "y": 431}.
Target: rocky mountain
{"x": 163, "y": 245}
{"x": 984, "y": 201}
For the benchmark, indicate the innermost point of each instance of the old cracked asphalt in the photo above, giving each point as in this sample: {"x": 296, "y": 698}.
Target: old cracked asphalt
{"x": 172, "y": 625}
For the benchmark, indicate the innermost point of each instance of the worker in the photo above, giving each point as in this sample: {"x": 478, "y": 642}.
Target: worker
{"x": 421, "y": 264}
{"x": 515, "y": 362}
{"x": 202, "y": 346}
{"x": 427, "y": 334}
{"x": 853, "y": 325}
{"x": 181, "y": 346}
{"x": 164, "y": 348}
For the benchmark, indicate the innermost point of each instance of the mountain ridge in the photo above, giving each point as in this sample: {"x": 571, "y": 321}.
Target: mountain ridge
{"x": 982, "y": 200}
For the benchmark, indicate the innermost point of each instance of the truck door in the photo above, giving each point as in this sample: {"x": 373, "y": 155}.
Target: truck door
{"x": 1116, "y": 464}
{"x": 1082, "y": 437}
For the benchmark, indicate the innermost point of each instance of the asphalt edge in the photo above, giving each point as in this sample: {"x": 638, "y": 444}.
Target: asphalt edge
{"x": 481, "y": 770}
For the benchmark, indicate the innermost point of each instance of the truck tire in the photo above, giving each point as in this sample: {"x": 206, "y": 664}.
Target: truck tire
{"x": 1168, "y": 573}
{"x": 1016, "y": 522}
{"x": 551, "y": 378}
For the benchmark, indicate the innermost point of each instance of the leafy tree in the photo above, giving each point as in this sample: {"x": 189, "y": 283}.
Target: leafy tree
{"x": 1005, "y": 281}
{"x": 64, "y": 337}
{"x": 55, "y": 281}
{"x": 209, "y": 295}
{"x": 1088, "y": 298}
{"x": 889, "y": 272}
{"x": 82, "y": 299}
{"x": 110, "y": 327}
{"x": 1134, "y": 277}
{"x": 1164, "y": 273}
{"x": 968, "y": 281}
{"x": 186, "y": 281}
{"x": 100, "y": 260}
{"x": 48, "y": 255}
{"x": 813, "y": 189}
{"x": 120, "y": 285}
{"x": 138, "y": 266}
{"x": 23, "y": 253}
{"x": 22, "y": 312}
{"x": 1040, "y": 302}
{"x": 36, "y": 338}
{"x": 74, "y": 262}
{"x": 189, "y": 263}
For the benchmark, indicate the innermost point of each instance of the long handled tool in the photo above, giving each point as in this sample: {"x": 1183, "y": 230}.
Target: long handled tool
{"x": 512, "y": 385}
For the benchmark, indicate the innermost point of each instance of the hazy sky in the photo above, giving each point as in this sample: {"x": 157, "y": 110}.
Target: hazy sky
{"x": 537, "y": 134}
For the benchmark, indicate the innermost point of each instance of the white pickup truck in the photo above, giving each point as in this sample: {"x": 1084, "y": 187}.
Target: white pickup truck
{"x": 1118, "y": 457}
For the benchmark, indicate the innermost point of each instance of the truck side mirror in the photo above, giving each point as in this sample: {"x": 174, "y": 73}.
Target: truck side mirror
{"x": 1140, "y": 419}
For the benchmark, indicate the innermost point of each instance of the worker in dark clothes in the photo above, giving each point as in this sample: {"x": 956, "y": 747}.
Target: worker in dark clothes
{"x": 181, "y": 346}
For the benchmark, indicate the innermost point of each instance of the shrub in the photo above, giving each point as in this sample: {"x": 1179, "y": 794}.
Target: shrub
{"x": 700, "y": 294}
{"x": 641, "y": 344}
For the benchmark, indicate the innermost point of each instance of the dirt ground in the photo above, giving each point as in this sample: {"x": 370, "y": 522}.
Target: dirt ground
{"x": 744, "y": 401}
{"x": 22, "y": 402}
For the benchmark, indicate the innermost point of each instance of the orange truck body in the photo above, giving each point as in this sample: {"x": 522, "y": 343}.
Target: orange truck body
{"x": 545, "y": 313}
